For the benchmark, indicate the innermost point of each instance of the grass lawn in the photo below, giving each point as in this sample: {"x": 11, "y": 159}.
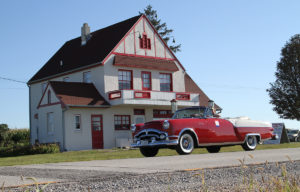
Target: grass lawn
{"x": 113, "y": 154}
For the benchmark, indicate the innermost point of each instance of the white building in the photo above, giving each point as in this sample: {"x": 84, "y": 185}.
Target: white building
{"x": 95, "y": 86}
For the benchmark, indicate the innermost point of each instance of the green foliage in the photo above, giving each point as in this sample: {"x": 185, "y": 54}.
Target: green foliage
{"x": 3, "y": 128}
{"x": 14, "y": 136}
{"x": 161, "y": 28}
{"x": 285, "y": 91}
{"x": 28, "y": 150}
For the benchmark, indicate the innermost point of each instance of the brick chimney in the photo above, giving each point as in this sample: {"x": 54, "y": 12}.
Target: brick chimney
{"x": 85, "y": 33}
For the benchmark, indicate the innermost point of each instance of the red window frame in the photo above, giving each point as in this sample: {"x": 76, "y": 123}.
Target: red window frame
{"x": 139, "y": 111}
{"x": 162, "y": 113}
{"x": 171, "y": 81}
{"x": 122, "y": 80}
{"x": 145, "y": 42}
{"x": 142, "y": 94}
{"x": 122, "y": 122}
{"x": 143, "y": 80}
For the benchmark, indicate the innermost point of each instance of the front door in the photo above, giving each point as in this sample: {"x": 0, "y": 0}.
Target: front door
{"x": 97, "y": 131}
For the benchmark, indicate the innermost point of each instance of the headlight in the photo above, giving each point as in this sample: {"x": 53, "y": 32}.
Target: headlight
{"x": 166, "y": 124}
{"x": 133, "y": 127}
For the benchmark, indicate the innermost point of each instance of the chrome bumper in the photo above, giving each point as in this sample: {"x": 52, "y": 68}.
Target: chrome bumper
{"x": 154, "y": 143}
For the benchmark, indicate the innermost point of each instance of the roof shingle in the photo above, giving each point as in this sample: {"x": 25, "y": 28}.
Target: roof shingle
{"x": 145, "y": 63}
{"x": 74, "y": 56}
{"x": 75, "y": 93}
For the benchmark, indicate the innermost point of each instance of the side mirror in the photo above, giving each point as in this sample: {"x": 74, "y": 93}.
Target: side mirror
{"x": 218, "y": 111}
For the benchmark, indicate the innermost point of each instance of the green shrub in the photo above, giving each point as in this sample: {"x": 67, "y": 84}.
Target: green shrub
{"x": 14, "y": 136}
{"x": 18, "y": 150}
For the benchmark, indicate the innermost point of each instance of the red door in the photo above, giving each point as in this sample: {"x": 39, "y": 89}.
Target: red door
{"x": 97, "y": 131}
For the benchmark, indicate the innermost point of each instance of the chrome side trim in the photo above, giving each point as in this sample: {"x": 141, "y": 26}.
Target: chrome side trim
{"x": 219, "y": 144}
{"x": 156, "y": 143}
{"x": 189, "y": 129}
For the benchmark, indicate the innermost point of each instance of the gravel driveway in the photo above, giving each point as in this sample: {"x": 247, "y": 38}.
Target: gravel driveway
{"x": 218, "y": 179}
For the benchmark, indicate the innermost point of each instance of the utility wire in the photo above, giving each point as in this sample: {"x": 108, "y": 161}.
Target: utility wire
{"x": 8, "y": 79}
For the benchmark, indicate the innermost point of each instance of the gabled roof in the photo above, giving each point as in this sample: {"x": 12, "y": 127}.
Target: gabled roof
{"x": 74, "y": 56}
{"x": 78, "y": 94}
{"x": 191, "y": 86}
{"x": 145, "y": 63}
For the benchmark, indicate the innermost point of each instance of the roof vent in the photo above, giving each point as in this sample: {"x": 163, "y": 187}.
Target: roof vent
{"x": 85, "y": 33}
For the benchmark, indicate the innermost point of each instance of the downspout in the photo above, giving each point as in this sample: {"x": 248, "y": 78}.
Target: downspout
{"x": 30, "y": 131}
{"x": 63, "y": 129}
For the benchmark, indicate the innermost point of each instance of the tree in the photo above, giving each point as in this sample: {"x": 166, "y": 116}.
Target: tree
{"x": 285, "y": 91}
{"x": 3, "y": 128}
{"x": 161, "y": 28}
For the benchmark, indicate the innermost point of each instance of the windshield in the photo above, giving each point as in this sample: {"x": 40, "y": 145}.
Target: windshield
{"x": 191, "y": 113}
{"x": 294, "y": 131}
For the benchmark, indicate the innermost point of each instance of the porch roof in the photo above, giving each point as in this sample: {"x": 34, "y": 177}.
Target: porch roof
{"x": 78, "y": 94}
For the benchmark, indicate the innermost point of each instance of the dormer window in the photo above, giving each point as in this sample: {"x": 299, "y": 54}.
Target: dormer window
{"x": 145, "y": 43}
{"x": 87, "y": 77}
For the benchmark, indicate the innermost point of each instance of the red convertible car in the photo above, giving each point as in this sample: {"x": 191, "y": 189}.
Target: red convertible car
{"x": 199, "y": 127}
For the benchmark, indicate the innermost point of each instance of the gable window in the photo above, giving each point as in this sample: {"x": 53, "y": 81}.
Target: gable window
{"x": 77, "y": 122}
{"x": 122, "y": 122}
{"x": 145, "y": 43}
{"x": 66, "y": 79}
{"x": 125, "y": 79}
{"x": 50, "y": 123}
{"x": 49, "y": 97}
{"x": 146, "y": 80}
{"x": 44, "y": 85}
{"x": 87, "y": 77}
{"x": 165, "y": 82}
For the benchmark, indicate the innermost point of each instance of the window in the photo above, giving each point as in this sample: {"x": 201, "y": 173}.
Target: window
{"x": 49, "y": 97}
{"x": 161, "y": 113}
{"x": 44, "y": 85}
{"x": 165, "y": 82}
{"x": 96, "y": 122}
{"x": 66, "y": 79}
{"x": 146, "y": 80}
{"x": 77, "y": 122}
{"x": 87, "y": 77}
{"x": 125, "y": 79}
{"x": 50, "y": 123}
{"x": 139, "y": 111}
{"x": 145, "y": 43}
{"x": 122, "y": 122}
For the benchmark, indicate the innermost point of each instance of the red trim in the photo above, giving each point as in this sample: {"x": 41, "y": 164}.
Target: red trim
{"x": 114, "y": 95}
{"x": 165, "y": 53}
{"x": 171, "y": 79}
{"x": 150, "y": 57}
{"x": 139, "y": 111}
{"x": 183, "y": 96}
{"x": 143, "y": 16}
{"x": 43, "y": 95}
{"x": 104, "y": 60}
{"x": 153, "y": 91}
{"x": 131, "y": 74}
{"x": 122, "y": 123}
{"x": 46, "y": 105}
{"x": 144, "y": 25}
{"x": 157, "y": 113}
{"x": 154, "y": 39}
{"x": 142, "y": 94}
{"x": 150, "y": 80}
{"x": 163, "y": 42}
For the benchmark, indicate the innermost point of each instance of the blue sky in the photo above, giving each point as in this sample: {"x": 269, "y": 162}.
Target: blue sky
{"x": 230, "y": 48}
